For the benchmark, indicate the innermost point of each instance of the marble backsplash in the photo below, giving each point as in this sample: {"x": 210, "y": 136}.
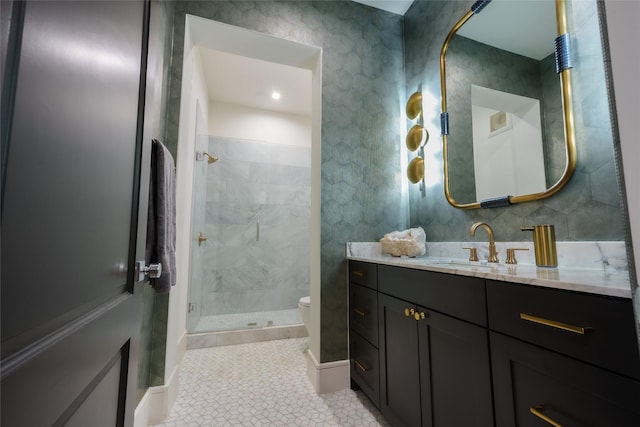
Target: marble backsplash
{"x": 589, "y": 255}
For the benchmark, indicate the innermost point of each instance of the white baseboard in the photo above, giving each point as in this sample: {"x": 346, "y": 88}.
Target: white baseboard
{"x": 182, "y": 347}
{"x": 156, "y": 403}
{"x": 143, "y": 411}
{"x": 328, "y": 377}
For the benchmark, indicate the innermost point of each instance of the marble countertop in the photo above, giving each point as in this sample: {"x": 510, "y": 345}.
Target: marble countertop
{"x": 590, "y": 280}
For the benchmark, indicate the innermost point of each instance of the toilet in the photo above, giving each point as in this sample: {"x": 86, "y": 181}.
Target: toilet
{"x": 304, "y": 305}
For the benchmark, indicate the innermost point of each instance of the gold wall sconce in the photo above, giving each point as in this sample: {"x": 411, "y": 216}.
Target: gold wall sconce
{"x": 416, "y": 139}
{"x": 414, "y": 105}
{"x": 415, "y": 170}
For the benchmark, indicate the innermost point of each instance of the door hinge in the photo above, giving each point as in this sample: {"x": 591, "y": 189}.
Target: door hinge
{"x": 191, "y": 307}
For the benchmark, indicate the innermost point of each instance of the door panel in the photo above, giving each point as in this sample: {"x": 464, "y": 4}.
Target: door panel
{"x": 101, "y": 404}
{"x": 70, "y": 317}
{"x": 68, "y": 191}
{"x": 52, "y": 379}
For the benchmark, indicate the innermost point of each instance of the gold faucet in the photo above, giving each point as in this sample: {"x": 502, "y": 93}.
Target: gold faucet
{"x": 493, "y": 254}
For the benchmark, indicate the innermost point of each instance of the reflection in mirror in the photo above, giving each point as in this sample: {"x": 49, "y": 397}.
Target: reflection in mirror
{"x": 507, "y": 131}
{"x": 503, "y": 60}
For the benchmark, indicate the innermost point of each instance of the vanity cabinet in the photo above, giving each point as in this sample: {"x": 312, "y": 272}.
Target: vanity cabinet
{"x": 433, "y": 349}
{"x": 567, "y": 356}
{"x": 363, "y": 328}
{"x": 434, "y": 366}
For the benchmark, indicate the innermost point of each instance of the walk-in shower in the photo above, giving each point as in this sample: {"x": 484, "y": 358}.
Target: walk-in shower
{"x": 251, "y": 234}
{"x": 249, "y": 222}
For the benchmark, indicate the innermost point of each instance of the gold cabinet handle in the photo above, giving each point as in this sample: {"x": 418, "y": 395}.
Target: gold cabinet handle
{"x": 359, "y": 273}
{"x": 359, "y": 312}
{"x": 553, "y": 324}
{"x": 411, "y": 312}
{"x": 537, "y": 411}
{"x": 361, "y": 366}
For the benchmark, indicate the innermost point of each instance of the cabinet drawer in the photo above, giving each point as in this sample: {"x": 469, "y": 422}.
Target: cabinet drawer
{"x": 569, "y": 392}
{"x": 458, "y": 296}
{"x": 363, "y": 273}
{"x": 364, "y": 367}
{"x": 608, "y": 339}
{"x": 363, "y": 312}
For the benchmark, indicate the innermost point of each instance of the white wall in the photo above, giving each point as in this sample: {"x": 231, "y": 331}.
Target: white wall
{"x": 194, "y": 92}
{"x": 240, "y": 122}
{"x": 623, "y": 22}
{"x": 517, "y": 147}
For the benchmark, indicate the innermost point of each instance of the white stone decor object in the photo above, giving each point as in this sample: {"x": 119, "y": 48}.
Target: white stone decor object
{"x": 409, "y": 242}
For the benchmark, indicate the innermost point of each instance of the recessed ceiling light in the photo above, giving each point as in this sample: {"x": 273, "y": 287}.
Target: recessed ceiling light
{"x": 275, "y": 95}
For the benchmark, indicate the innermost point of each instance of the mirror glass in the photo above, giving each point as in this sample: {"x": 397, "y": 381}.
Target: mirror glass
{"x": 506, "y": 129}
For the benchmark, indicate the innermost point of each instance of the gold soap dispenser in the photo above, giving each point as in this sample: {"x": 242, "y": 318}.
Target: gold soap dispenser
{"x": 544, "y": 244}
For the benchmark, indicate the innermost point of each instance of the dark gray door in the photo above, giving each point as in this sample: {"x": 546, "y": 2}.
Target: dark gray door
{"x": 70, "y": 192}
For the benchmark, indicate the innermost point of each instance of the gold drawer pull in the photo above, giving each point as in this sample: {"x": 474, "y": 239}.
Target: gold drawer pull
{"x": 359, "y": 312}
{"x": 537, "y": 411}
{"x": 558, "y": 325}
{"x": 361, "y": 366}
{"x": 359, "y": 273}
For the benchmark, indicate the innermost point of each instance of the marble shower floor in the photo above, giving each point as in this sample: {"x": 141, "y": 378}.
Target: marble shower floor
{"x": 261, "y": 319}
{"x": 261, "y": 384}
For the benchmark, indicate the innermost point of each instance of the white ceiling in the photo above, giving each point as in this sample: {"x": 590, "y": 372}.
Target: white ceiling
{"x": 249, "y": 82}
{"x": 240, "y": 80}
{"x": 396, "y": 6}
{"x": 525, "y": 27}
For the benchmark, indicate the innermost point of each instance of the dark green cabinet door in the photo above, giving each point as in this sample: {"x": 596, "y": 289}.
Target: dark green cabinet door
{"x": 399, "y": 363}
{"x": 455, "y": 372}
{"x": 434, "y": 369}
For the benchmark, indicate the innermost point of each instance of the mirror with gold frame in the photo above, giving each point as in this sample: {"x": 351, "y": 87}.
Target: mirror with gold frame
{"x": 504, "y": 140}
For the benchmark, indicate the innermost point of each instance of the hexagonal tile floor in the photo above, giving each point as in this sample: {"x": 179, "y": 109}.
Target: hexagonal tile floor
{"x": 261, "y": 384}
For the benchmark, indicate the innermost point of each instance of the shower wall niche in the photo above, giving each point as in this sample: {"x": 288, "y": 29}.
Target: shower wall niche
{"x": 256, "y": 218}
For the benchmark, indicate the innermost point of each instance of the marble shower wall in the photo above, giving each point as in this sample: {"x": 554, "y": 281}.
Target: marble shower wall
{"x": 362, "y": 97}
{"x": 588, "y": 208}
{"x": 258, "y": 198}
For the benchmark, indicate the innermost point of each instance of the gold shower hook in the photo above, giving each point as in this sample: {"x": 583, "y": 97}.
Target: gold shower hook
{"x": 212, "y": 159}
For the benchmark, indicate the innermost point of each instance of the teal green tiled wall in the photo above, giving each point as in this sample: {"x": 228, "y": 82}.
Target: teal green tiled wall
{"x": 371, "y": 59}
{"x": 152, "y": 345}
